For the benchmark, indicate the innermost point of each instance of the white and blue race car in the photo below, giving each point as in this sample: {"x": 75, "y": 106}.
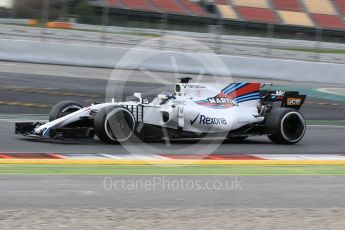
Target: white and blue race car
{"x": 235, "y": 111}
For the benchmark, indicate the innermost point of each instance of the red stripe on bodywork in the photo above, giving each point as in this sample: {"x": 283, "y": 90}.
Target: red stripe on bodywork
{"x": 5, "y": 156}
{"x": 252, "y": 87}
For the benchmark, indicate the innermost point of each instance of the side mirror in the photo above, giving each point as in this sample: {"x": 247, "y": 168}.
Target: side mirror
{"x": 162, "y": 97}
{"x": 138, "y": 95}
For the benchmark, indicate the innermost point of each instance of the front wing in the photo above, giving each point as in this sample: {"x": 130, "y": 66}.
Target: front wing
{"x": 28, "y": 129}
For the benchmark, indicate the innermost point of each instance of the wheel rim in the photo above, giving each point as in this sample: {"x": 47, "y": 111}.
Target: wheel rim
{"x": 119, "y": 125}
{"x": 293, "y": 127}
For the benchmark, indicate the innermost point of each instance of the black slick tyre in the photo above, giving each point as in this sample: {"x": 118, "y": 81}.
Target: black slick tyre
{"x": 285, "y": 126}
{"x": 64, "y": 108}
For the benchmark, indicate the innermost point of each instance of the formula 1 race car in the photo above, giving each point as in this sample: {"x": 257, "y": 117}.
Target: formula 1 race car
{"x": 234, "y": 111}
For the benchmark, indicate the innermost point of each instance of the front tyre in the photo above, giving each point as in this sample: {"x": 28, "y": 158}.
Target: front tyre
{"x": 114, "y": 124}
{"x": 286, "y": 126}
{"x": 64, "y": 108}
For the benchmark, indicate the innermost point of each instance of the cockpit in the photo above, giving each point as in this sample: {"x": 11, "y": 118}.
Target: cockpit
{"x": 163, "y": 98}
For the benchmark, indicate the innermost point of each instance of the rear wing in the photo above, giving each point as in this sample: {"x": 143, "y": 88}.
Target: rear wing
{"x": 288, "y": 99}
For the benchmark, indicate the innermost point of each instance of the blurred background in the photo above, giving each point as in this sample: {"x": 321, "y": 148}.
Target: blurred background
{"x": 312, "y": 30}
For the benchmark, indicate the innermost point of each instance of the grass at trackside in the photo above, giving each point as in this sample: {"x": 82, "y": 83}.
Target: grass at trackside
{"x": 325, "y": 51}
{"x": 171, "y": 170}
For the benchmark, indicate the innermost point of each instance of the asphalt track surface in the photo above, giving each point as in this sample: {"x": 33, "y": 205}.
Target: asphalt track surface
{"x": 92, "y": 192}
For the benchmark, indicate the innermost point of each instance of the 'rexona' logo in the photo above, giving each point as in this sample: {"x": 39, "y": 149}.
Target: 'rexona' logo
{"x": 193, "y": 121}
{"x": 204, "y": 120}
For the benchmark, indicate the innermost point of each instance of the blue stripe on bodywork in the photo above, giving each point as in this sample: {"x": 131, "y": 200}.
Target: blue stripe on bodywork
{"x": 248, "y": 99}
{"x": 230, "y": 87}
{"x": 236, "y": 87}
{"x": 248, "y": 95}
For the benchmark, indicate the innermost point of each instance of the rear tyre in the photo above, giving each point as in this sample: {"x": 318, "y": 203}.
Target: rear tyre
{"x": 64, "y": 108}
{"x": 286, "y": 126}
{"x": 114, "y": 124}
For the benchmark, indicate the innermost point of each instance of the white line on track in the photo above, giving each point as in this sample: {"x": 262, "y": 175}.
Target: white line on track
{"x": 329, "y": 91}
{"x": 327, "y": 126}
